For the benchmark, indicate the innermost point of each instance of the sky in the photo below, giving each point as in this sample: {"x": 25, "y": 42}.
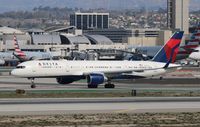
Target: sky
{"x": 16, "y": 5}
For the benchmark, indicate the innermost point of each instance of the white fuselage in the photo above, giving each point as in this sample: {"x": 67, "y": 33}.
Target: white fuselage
{"x": 8, "y": 56}
{"x": 195, "y": 55}
{"x": 37, "y": 55}
{"x": 56, "y": 68}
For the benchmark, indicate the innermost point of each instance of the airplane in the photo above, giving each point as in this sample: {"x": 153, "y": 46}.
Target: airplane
{"x": 184, "y": 50}
{"x": 28, "y": 55}
{"x": 195, "y": 39}
{"x": 7, "y": 57}
{"x": 150, "y": 52}
{"x": 195, "y": 55}
{"x": 98, "y": 72}
{"x": 2, "y": 61}
{"x": 21, "y": 56}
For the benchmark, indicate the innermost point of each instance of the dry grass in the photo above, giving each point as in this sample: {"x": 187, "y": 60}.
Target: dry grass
{"x": 103, "y": 120}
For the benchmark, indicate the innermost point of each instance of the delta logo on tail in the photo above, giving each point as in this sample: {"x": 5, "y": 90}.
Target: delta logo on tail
{"x": 170, "y": 49}
{"x": 18, "y": 51}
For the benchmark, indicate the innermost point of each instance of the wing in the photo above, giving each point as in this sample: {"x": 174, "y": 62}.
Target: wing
{"x": 134, "y": 74}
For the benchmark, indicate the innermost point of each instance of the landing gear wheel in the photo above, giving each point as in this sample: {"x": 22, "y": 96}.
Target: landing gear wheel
{"x": 92, "y": 86}
{"x": 109, "y": 85}
{"x": 33, "y": 86}
{"x": 32, "y": 83}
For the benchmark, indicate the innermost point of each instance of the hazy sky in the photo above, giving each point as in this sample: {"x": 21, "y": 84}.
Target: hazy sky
{"x": 13, "y": 5}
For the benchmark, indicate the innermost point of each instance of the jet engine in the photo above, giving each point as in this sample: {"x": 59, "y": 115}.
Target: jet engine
{"x": 67, "y": 79}
{"x": 94, "y": 80}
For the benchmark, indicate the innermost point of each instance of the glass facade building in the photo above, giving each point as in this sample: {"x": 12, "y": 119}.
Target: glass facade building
{"x": 88, "y": 21}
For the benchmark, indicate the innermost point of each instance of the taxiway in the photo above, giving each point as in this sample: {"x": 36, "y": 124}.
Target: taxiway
{"x": 98, "y": 105}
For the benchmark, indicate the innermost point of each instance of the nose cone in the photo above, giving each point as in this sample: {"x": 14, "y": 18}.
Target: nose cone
{"x": 13, "y": 72}
{"x": 17, "y": 73}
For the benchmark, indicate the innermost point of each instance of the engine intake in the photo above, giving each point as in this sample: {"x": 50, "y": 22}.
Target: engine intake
{"x": 95, "y": 79}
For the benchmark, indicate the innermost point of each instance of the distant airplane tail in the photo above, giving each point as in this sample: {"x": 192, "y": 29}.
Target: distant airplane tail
{"x": 18, "y": 51}
{"x": 168, "y": 52}
{"x": 194, "y": 40}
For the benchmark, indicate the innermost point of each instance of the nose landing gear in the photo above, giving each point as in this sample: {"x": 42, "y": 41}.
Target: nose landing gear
{"x": 32, "y": 82}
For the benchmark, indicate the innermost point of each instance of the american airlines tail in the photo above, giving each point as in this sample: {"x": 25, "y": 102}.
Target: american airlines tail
{"x": 193, "y": 42}
{"x": 168, "y": 52}
{"x": 18, "y": 53}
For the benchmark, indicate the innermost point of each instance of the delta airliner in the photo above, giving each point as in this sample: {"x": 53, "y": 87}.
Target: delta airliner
{"x": 98, "y": 72}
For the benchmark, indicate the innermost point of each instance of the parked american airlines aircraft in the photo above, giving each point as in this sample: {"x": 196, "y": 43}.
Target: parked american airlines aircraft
{"x": 7, "y": 57}
{"x": 98, "y": 72}
{"x": 22, "y": 56}
{"x": 28, "y": 55}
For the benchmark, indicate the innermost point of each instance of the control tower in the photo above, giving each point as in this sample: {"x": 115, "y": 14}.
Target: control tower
{"x": 178, "y": 15}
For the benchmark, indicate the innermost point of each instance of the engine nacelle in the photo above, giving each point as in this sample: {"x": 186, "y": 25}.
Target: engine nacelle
{"x": 67, "y": 79}
{"x": 95, "y": 79}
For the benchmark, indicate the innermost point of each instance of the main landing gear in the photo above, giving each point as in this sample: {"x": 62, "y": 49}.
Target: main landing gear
{"x": 92, "y": 86}
{"x": 32, "y": 82}
{"x": 109, "y": 85}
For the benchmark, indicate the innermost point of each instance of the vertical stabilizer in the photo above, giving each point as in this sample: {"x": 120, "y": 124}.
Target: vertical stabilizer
{"x": 168, "y": 52}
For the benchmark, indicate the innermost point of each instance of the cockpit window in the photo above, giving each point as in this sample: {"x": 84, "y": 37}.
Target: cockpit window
{"x": 20, "y": 67}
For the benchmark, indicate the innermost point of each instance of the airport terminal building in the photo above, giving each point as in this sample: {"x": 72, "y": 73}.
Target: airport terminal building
{"x": 63, "y": 40}
{"x": 54, "y": 42}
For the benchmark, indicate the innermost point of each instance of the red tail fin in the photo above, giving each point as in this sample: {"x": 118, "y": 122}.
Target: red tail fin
{"x": 169, "y": 51}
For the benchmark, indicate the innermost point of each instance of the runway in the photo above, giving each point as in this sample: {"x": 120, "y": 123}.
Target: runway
{"x": 182, "y": 80}
{"x": 98, "y": 105}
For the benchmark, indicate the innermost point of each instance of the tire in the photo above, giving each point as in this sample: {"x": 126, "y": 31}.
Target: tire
{"x": 109, "y": 86}
{"x": 33, "y": 86}
{"x": 92, "y": 86}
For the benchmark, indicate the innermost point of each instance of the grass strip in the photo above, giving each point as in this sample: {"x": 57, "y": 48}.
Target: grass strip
{"x": 97, "y": 93}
